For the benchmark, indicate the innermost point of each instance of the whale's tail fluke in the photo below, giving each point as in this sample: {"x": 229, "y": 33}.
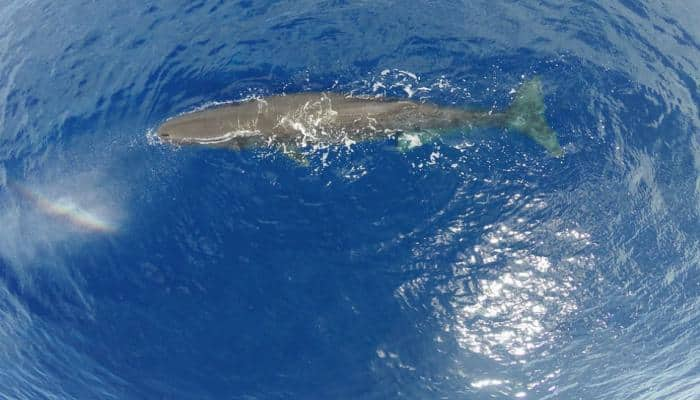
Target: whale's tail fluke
{"x": 526, "y": 115}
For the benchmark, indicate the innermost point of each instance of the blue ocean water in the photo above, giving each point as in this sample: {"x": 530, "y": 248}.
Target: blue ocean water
{"x": 477, "y": 268}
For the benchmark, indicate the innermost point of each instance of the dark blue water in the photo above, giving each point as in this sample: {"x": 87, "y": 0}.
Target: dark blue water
{"x": 471, "y": 269}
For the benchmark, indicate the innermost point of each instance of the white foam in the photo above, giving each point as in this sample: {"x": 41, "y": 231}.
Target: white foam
{"x": 152, "y": 137}
{"x": 377, "y": 85}
{"x": 412, "y": 139}
{"x": 409, "y": 74}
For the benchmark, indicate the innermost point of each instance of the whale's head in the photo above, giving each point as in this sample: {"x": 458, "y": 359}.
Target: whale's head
{"x": 202, "y": 129}
{"x": 191, "y": 129}
{"x": 180, "y": 131}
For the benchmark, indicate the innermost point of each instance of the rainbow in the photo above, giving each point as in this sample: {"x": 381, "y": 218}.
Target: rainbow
{"x": 66, "y": 209}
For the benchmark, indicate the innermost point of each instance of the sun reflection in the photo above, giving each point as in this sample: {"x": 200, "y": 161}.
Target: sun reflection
{"x": 482, "y": 383}
{"x": 505, "y": 297}
{"x": 507, "y": 317}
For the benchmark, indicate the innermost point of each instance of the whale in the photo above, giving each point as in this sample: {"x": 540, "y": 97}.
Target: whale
{"x": 291, "y": 123}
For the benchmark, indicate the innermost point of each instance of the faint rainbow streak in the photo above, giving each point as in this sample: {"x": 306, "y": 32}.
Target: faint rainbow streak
{"x": 65, "y": 210}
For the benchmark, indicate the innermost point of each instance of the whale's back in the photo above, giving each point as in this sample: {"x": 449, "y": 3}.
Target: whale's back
{"x": 286, "y": 118}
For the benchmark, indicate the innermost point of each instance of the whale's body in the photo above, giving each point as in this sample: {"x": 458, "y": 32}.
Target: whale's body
{"x": 292, "y": 122}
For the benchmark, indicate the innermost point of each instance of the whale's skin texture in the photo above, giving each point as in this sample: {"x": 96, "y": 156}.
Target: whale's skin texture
{"x": 314, "y": 118}
{"x": 295, "y": 121}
